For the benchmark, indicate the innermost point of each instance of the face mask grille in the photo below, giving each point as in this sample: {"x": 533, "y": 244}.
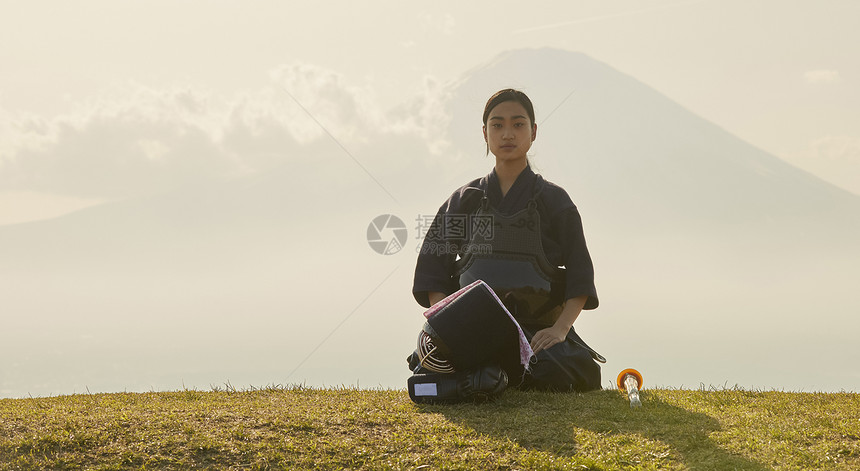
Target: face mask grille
{"x": 429, "y": 358}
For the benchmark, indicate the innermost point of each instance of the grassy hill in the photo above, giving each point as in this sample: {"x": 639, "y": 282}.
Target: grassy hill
{"x": 304, "y": 428}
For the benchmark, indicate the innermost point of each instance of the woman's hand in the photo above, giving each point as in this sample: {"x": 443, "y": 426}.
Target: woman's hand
{"x": 546, "y": 338}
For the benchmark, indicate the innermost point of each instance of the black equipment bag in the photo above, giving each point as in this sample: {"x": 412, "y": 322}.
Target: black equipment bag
{"x": 477, "y": 385}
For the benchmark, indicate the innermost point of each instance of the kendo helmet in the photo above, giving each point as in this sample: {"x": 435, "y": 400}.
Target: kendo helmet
{"x": 430, "y": 352}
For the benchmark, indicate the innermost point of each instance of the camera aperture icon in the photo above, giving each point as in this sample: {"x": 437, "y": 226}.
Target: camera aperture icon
{"x": 386, "y": 234}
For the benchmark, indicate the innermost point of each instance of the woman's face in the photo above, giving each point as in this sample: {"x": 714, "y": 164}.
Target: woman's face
{"x": 509, "y": 132}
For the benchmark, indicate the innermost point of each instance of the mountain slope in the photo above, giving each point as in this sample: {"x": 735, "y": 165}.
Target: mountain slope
{"x": 630, "y": 154}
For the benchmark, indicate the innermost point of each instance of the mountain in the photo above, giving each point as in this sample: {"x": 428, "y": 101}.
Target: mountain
{"x": 637, "y": 158}
{"x": 710, "y": 254}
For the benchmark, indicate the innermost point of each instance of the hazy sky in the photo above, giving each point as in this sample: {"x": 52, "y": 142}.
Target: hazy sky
{"x": 105, "y": 100}
{"x": 80, "y": 76}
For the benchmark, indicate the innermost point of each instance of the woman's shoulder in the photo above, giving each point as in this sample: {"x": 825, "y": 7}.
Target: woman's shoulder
{"x": 553, "y": 196}
{"x": 465, "y": 196}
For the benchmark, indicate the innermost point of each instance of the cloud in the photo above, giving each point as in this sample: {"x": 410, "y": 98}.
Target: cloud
{"x": 140, "y": 141}
{"x": 845, "y": 149}
{"x": 345, "y": 111}
{"x": 835, "y": 159}
{"x": 136, "y": 140}
{"x": 428, "y": 116}
{"x": 822, "y": 76}
{"x": 449, "y": 25}
{"x": 433, "y": 23}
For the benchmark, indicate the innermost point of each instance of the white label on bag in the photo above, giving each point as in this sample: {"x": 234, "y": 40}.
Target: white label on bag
{"x": 425, "y": 389}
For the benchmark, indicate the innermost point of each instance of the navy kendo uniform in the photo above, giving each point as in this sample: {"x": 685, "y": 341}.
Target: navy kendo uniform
{"x": 529, "y": 247}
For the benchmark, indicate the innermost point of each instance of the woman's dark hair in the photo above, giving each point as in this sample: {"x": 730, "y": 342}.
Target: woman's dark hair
{"x": 509, "y": 94}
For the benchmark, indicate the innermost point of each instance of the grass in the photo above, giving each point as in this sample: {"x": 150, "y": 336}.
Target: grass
{"x": 305, "y": 428}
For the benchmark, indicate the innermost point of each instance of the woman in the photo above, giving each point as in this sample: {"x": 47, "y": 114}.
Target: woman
{"x": 523, "y": 236}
